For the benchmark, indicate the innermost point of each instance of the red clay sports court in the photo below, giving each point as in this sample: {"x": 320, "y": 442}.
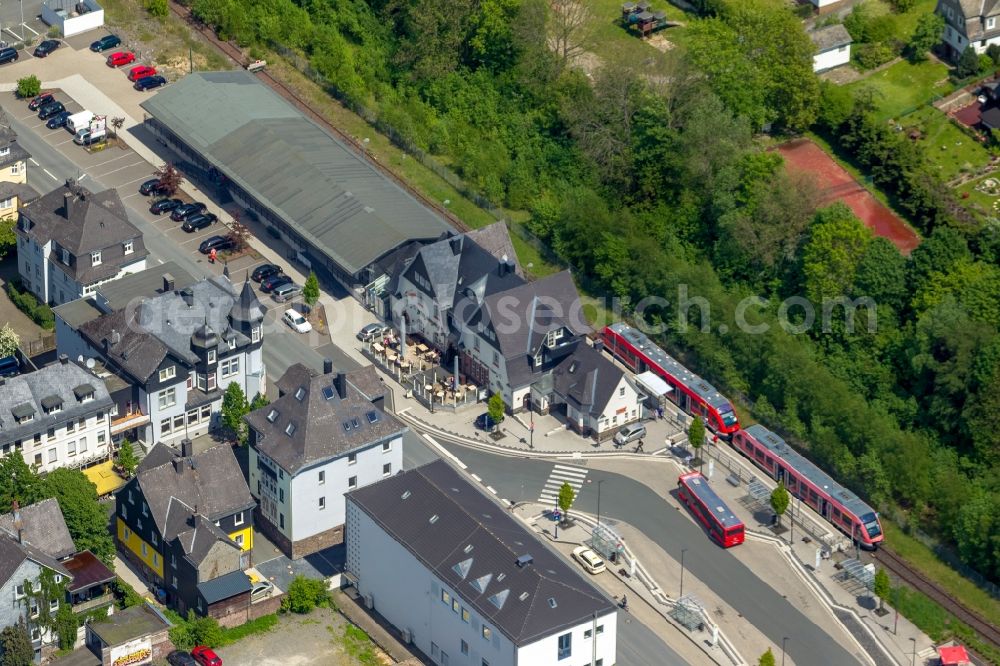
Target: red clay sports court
{"x": 835, "y": 184}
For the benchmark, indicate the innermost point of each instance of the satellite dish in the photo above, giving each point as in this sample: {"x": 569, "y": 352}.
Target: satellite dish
{"x": 90, "y": 363}
{"x": 79, "y": 359}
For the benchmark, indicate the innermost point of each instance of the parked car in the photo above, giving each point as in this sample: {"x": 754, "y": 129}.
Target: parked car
{"x": 164, "y": 206}
{"x": 630, "y": 433}
{"x": 181, "y": 658}
{"x": 286, "y": 292}
{"x": 205, "y": 656}
{"x": 152, "y": 186}
{"x": 298, "y": 323}
{"x": 45, "y": 48}
{"x": 185, "y": 211}
{"x": 485, "y": 422}
{"x": 104, "y": 43}
{"x": 198, "y": 221}
{"x": 40, "y": 101}
{"x": 370, "y": 332}
{"x": 140, "y": 71}
{"x": 265, "y": 271}
{"x": 271, "y": 283}
{"x": 589, "y": 560}
{"x": 8, "y": 54}
{"x": 149, "y": 82}
{"x": 50, "y": 110}
{"x": 261, "y": 589}
{"x": 87, "y": 138}
{"x": 217, "y": 243}
{"x": 58, "y": 120}
{"x": 121, "y": 58}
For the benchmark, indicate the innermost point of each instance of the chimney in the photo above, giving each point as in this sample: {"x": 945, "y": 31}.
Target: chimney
{"x": 178, "y": 465}
{"x": 340, "y": 383}
{"x": 456, "y": 245}
{"x": 64, "y": 359}
{"x": 188, "y": 296}
{"x": 327, "y": 366}
{"x": 505, "y": 267}
{"x": 116, "y": 337}
{"x": 168, "y": 283}
{"x": 18, "y": 523}
{"x": 187, "y": 448}
{"x": 68, "y": 198}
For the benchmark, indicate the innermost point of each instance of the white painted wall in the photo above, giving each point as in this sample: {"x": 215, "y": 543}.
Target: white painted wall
{"x": 832, "y": 58}
{"x": 546, "y": 651}
{"x": 90, "y": 437}
{"x": 74, "y": 25}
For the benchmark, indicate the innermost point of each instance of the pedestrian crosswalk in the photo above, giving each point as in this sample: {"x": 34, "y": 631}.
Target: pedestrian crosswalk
{"x": 574, "y": 476}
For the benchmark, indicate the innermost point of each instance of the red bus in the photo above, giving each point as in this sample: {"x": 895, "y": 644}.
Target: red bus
{"x": 689, "y": 391}
{"x": 805, "y": 480}
{"x": 722, "y": 525}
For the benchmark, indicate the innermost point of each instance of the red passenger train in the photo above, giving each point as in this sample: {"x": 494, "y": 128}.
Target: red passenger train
{"x": 811, "y": 484}
{"x": 689, "y": 391}
{"x": 722, "y": 525}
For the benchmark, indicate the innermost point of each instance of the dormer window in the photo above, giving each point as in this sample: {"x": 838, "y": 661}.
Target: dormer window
{"x": 553, "y": 336}
{"x": 991, "y": 22}
{"x": 95, "y": 258}
{"x": 255, "y": 334}
{"x": 5, "y": 151}
{"x": 168, "y": 373}
{"x": 65, "y": 256}
{"x": 128, "y": 247}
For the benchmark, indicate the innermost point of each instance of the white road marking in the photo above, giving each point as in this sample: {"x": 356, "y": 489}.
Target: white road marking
{"x": 127, "y": 166}
{"x": 559, "y": 475}
{"x": 32, "y": 160}
{"x": 113, "y": 159}
{"x": 49, "y": 174}
{"x": 445, "y": 452}
{"x": 491, "y": 489}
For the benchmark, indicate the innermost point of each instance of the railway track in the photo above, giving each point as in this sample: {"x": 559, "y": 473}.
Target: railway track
{"x": 902, "y": 569}
{"x": 234, "y": 54}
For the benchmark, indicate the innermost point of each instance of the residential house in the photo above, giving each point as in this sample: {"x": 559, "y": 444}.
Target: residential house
{"x": 135, "y": 636}
{"x": 465, "y": 581}
{"x": 833, "y": 47}
{"x": 826, "y": 6}
{"x": 969, "y": 23}
{"x": 180, "y": 348}
{"x": 14, "y": 188}
{"x": 71, "y": 240}
{"x": 58, "y": 416}
{"x": 186, "y": 521}
{"x": 325, "y": 435}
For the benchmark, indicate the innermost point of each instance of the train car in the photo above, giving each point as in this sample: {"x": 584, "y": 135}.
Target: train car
{"x": 723, "y": 526}
{"x": 811, "y": 484}
{"x": 689, "y": 391}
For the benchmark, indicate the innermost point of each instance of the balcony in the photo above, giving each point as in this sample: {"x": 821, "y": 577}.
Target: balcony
{"x": 105, "y": 599}
{"x": 127, "y": 421}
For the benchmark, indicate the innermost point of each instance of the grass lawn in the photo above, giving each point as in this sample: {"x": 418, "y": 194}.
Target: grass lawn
{"x": 904, "y": 87}
{"x": 906, "y": 22}
{"x": 949, "y": 149}
{"x": 610, "y": 39}
{"x": 978, "y": 200}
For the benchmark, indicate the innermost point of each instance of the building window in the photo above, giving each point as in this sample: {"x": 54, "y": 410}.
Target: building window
{"x": 487, "y": 632}
{"x": 152, "y": 538}
{"x": 387, "y": 469}
{"x": 281, "y": 520}
{"x": 168, "y": 373}
{"x": 621, "y": 392}
{"x": 211, "y": 356}
{"x": 167, "y": 398}
{"x": 239, "y": 540}
{"x": 144, "y": 554}
{"x": 128, "y": 246}
{"x": 230, "y": 366}
{"x": 65, "y": 256}
{"x": 386, "y": 447}
{"x": 465, "y": 647}
{"x": 53, "y": 455}
{"x": 70, "y": 427}
{"x": 71, "y": 448}
{"x": 352, "y": 458}
{"x": 95, "y": 258}
{"x": 165, "y": 426}
{"x": 281, "y": 495}
{"x": 455, "y": 606}
{"x": 174, "y": 581}
{"x": 255, "y": 334}
{"x": 991, "y": 23}
{"x": 19, "y": 592}
{"x": 465, "y": 615}
{"x": 238, "y": 519}
{"x": 565, "y": 645}
{"x": 496, "y": 358}
{"x": 322, "y": 478}
{"x": 445, "y": 597}
{"x": 322, "y": 503}
{"x": 352, "y": 482}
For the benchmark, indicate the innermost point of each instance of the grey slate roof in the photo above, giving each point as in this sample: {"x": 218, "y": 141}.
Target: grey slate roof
{"x": 225, "y": 587}
{"x": 975, "y": 13}
{"x": 8, "y": 139}
{"x": 201, "y": 535}
{"x": 92, "y": 222}
{"x": 495, "y": 239}
{"x": 587, "y": 379}
{"x": 830, "y": 37}
{"x": 23, "y": 395}
{"x": 22, "y": 191}
{"x": 466, "y": 517}
{"x": 313, "y": 421}
{"x": 12, "y": 554}
{"x": 337, "y": 201}
{"x": 42, "y": 526}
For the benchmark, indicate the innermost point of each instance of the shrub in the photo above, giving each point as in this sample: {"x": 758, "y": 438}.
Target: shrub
{"x": 870, "y": 56}
{"x": 196, "y": 631}
{"x": 29, "y": 86}
{"x": 993, "y": 51}
{"x": 127, "y": 597}
{"x": 40, "y": 313}
{"x": 305, "y": 594}
{"x": 53, "y": 32}
{"x": 157, "y": 8}
{"x": 985, "y": 64}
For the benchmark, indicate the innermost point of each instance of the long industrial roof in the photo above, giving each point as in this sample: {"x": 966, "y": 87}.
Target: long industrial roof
{"x": 805, "y": 467}
{"x": 332, "y": 197}
{"x": 701, "y": 388}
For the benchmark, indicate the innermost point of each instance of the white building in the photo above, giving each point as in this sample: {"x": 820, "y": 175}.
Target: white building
{"x": 833, "y": 47}
{"x": 325, "y": 435}
{"x": 71, "y": 240}
{"x": 467, "y": 583}
{"x": 180, "y": 349}
{"x": 969, "y": 22}
{"x": 58, "y": 416}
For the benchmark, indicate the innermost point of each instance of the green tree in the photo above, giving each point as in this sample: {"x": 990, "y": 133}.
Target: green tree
{"x": 881, "y": 587}
{"x": 310, "y": 290}
{"x": 29, "y": 86}
{"x": 993, "y": 51}
{"x": 86, "y": 517}
{"x": 305, "y": 594}
{"x": 766, "y": 659}
{"x": 15, "y": 645}
{"x": 696, "y": 435}
{"x": 927, "y": 35}
{"x": 66, "y": 625}
{"x": 566, "y": 497}
{"x": 837, "y": 241}
{"x": 234, "y": 408}
{"x": 259, "y": 401}
{"x": 968, "y": 63}
{"x": 126, "y": 458}
{"x": 9, "y": 341}
{"x": 8, "y": 237}
{"x": 780, "y": 500}
{"x": 195, "y": 630}
{"x": 18, "y": 482}
{"x": 496, "y": 410}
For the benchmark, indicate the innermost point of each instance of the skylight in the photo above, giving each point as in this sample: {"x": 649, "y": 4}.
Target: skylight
{"x": 355, "y": 423}
{"x": 405, "y": 495}
{"x": 498, "y": 598}
{"x": 523, "y": 596}
{"x": 467, "y": 549}
{"x": 372, "y": 416}
{"x": 347, "y": 426}
{"x": 480, "y": 583}
{"x": 272, "y": 415}
{"x": 328, "y": 392}
{"x": 462, "y": 568}
{"x": 433, "y": 519}
{"x": 290, "y": 429}
{"x": 300, "y": 393}
{"x": 552, "y": 602}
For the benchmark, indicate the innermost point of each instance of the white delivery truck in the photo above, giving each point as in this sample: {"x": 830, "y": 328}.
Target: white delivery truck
{"x": 79, "y": 121}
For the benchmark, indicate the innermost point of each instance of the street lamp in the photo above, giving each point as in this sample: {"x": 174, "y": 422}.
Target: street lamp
{"x": 683, "y": 550}
{"x": 599, "y": 482}
{"x": 784, "y": 639}
{"x": 913, "y": 655}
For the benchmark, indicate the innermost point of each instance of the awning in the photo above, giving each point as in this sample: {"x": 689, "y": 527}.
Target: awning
{"x": 653, "y": 384}
{"x": 104, "y": 477}
{"x": 953, "y": 656}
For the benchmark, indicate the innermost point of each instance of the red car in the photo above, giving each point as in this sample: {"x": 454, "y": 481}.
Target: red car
{"x": 140, "y": 72}
{"x": 121, "y": 58}
{"x": 206, "y": 656}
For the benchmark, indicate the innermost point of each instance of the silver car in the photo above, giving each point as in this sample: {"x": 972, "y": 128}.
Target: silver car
{"x": 286, "y": 292}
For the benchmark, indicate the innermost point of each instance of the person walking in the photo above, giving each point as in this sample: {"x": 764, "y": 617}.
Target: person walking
{"x": 212, "y": 255}
{"x": 639, "y": 448}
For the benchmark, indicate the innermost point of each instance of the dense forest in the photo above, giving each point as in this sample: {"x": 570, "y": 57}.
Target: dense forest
{"x": 652, "y": 177}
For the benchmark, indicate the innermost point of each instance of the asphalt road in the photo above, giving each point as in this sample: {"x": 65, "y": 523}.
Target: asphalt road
{"x": 630, "y": 501}
{"x": 50, "y": 168}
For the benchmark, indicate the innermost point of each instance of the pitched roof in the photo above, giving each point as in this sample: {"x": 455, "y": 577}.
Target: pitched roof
{"x": 22, "y": 191}
{"x": 587, "y": 379}
{"x": 495, "y": 239}
{"x": 15, "y": 153}
{"x": 82, "y": 222}
{"x": 201, "y": 535}
{"x": 12, "y": 554}
{"x": 87, "y": 571}
{"x": 43, "y": 526}
{"x": 319, "y": 417}
{"x": 830, "y": 37}
{"x": 337, "y": 201}
{"x": 23, "y": 395}
{"x": 473, "y": 545}
{"x": 248, "y": 307}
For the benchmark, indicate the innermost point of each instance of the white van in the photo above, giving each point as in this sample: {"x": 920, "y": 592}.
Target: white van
{"x": 630, "y": 433}
{"x": 79, "y": 121}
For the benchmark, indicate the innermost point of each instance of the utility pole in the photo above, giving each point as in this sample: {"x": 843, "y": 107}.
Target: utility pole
{"x": 783, "y": 640}
{"x": 683, "y": 550}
